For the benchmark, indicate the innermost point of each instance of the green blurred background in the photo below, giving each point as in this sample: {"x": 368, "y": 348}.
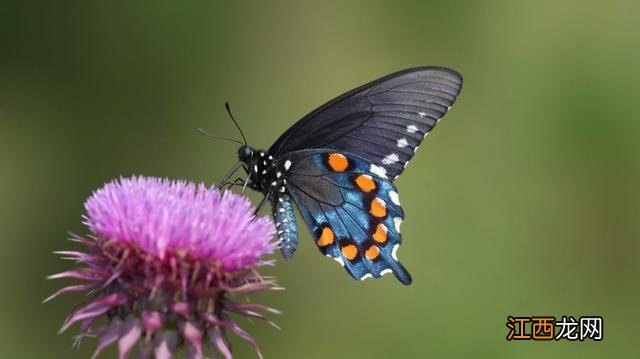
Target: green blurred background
{"x": 523, "y": 202}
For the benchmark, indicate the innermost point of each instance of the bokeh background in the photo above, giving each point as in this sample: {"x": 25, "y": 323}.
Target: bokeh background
{"x": 524, "y": 201}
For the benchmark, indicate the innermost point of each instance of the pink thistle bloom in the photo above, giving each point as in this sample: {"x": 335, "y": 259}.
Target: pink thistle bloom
{"x": 162, "y": 264}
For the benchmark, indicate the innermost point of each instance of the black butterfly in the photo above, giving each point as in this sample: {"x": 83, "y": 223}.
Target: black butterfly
{"x": 338, "y": 164}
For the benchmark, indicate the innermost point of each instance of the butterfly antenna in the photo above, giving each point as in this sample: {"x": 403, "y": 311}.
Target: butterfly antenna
{"x": 226, "y": 105}
{"x": 202, "y": 131}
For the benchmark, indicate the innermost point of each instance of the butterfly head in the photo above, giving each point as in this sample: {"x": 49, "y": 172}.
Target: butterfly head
{"x": 245, "y": 153}
{"x": 259, "y": 166}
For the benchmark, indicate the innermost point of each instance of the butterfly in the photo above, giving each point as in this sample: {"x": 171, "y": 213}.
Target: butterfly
{"x": 338, "y": 163}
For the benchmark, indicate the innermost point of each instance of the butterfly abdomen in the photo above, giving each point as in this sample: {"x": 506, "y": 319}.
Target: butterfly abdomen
{"x": 285, "y": 218}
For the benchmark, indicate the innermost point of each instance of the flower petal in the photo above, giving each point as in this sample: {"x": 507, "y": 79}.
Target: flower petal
{"x": 165, "y": 344}
{"x": 193, "y": 336}
{"x": 181, "y": 308}
{"x": 130, "y": 332}
{"x": 220, "y": 342}
{"x": 151, "y": 321}
{"x": 71, "y": 289}
{"x": 160, "y": 217}
{"x": 231, "y": 325}
{"x": 108, "y": 336}
{"x": 95, "y": 308}
{"x": 88, "y": 274}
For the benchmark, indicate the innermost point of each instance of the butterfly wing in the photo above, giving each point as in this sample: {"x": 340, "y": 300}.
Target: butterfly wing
{"x": 383, "y": 121}
{"x": 354, "y": 215}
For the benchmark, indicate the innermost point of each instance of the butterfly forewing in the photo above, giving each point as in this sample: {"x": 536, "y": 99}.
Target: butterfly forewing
{"x": 383, "y": 121}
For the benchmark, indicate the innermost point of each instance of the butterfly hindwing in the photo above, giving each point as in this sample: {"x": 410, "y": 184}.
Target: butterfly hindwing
{"x": 353, "y": 213}
{"x": 383, "y": 121}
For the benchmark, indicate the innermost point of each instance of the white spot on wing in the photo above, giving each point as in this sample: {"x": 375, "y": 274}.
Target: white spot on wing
{"x": 397, "y": 221}
{"x": 377, "y": 170}
{"x": 391, "y": 159}
{"x": 415, "y": 149}
{"x": 402, "y": 142}
{"x": 255, "y": 168}
{"x": 422, "y": 114}
{"x": 406, "y": 164}
{"x": 287, "y": 165}
{"x": 366, "y": 276}
{"x": 385, "y": 271}
{"x": 394, "y": 197}
{"x": 394, "y": 252}
{"x": 412, "y": 129}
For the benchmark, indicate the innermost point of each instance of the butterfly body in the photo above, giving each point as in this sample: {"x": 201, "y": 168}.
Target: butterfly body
{"x": 268, "y": 176}
{"x": 338, "y": 164}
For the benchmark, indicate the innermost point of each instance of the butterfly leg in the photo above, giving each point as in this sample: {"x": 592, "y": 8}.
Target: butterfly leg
{"x": 237, "y": 182}
{"x": 261, "y": 204}
{"x": 233, "y": 170}
{"x": 286, "y": 225}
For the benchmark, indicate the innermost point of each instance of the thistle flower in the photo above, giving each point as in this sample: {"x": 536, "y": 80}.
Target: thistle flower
{"x": 162, "y": 264}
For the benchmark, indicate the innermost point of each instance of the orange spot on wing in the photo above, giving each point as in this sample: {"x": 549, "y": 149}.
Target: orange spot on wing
{"x": 326, "y": 237}
{"x": 338, "y": 162}
{"x": 350, "y": 251}
{"x": 380, "y": 235}
{"x": 365, "y": 183}
{"x": 378, "y": 208}
{"x": 372, "y": 253}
